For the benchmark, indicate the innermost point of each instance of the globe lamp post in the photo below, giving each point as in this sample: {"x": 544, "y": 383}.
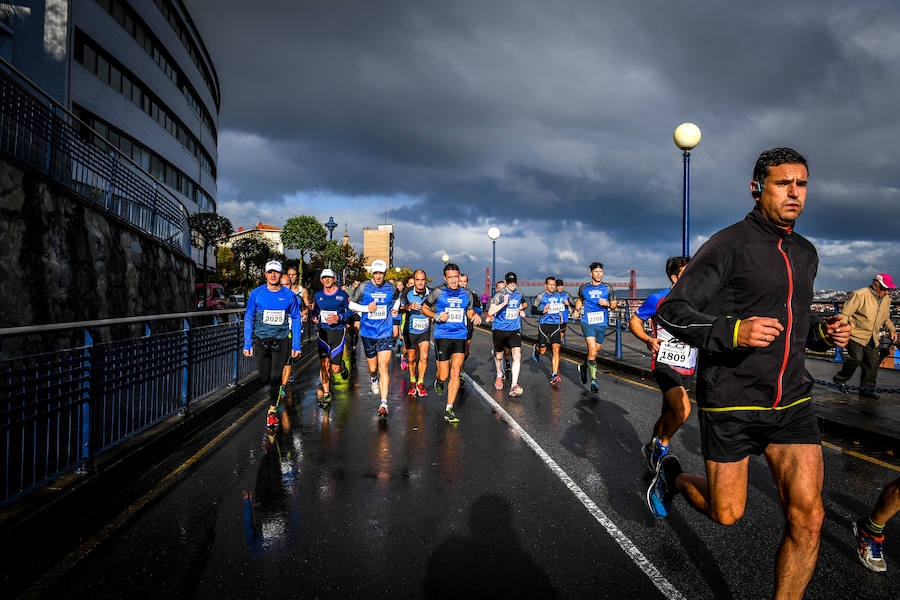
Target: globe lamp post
{"x": 687, "y": 136}
{"x": 494, "y": 234}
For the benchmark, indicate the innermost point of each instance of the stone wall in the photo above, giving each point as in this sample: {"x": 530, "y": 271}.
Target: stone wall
{"x": 62, "y": 259}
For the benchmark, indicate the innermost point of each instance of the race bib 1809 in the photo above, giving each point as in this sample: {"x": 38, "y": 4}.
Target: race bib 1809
{"x": 675, "y": 353}
{"x": 273, "y": 317}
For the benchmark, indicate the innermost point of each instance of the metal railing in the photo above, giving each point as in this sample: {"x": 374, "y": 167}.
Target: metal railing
{"x": 59, "y": 409}
{"x": 41, "y": 133}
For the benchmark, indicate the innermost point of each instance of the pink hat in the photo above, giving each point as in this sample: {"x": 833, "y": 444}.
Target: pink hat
{"x": 885, "y": 280}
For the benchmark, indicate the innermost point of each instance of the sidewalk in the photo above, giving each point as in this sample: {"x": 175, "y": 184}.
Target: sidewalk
{"x": 875, "y": 421}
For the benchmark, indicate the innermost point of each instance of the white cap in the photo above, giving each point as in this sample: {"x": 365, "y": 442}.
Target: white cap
{"x": 273, "y": 265}
{"x": 379, "y": 266}
{"x": 326, "y": 273}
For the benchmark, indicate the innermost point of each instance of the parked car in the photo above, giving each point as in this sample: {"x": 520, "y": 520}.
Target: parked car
{"x": 236, "y": 301}
{"x": 215, "y": 297}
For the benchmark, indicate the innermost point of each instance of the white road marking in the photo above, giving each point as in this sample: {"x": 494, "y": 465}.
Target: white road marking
{"x": 661, "y": 583}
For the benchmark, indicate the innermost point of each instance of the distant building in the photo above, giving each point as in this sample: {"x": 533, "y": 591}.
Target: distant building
{"x": 378, "y": 243}
{"x": 270, "y": 233}
{"x": 136, "y": 72}
{"x": 345, "y": 241}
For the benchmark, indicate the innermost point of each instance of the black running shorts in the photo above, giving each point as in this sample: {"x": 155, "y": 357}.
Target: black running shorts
{"x": 732, "y": 435}
{"x": 549, "y": 333}
{"x": 506, "y": 339}
{"x": 668, "y": 378}
{"x": 444, "y": 347}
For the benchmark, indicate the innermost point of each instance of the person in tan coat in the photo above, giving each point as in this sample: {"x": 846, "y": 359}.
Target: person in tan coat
{"x": 867, "y": 309}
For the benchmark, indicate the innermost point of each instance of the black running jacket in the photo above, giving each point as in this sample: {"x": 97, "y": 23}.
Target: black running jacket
{"x": 752, "y": 268}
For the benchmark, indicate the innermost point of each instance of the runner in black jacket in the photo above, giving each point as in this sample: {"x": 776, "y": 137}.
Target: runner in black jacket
{"x": 744, "y": 302}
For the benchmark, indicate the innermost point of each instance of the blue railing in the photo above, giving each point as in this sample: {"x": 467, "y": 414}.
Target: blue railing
{"x": 41, "y": 133}
{"x": 61, "y": 408}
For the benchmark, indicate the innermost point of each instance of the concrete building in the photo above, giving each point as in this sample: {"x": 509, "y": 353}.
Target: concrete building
{"x": 378, "y": 243}
{"x": 270, "y": 233}
{"x": 135, "y": 71}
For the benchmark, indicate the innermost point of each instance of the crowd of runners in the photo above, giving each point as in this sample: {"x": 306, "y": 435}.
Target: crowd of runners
{"x": 737, "y": 316}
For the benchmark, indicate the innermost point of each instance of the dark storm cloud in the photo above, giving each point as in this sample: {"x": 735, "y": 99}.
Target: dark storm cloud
{"x": 543, "y": 112}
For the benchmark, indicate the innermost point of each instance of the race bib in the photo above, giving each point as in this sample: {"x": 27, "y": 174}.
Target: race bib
{"x": 596, "y": 318}
{"x": 273, "y": 317}
{"x": 420, "y": 323}
{"x": 677, "y": 354}
{"x": 455, "y": 315}
{"x": 554, "y": 308}
{"x": 380, "y": 312}
{"x": 511, "y": 314}
{"x": 326, "y": 314}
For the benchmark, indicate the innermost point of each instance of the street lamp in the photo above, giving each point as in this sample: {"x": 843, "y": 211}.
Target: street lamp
{"x": 494, "y": 234}
{"x": 687, "y": 136}
{"x": 445, "y": 258}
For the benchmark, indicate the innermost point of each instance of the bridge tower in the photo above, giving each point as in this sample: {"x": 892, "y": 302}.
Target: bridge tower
{"x": 488, "y": 288}
{"x": 632, "y": 284}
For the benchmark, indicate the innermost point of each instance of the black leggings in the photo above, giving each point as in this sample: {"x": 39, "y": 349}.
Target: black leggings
{"x": 271, "y": 356}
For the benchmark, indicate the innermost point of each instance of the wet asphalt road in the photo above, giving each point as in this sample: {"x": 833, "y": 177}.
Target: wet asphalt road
{"x": 337, "y": 504}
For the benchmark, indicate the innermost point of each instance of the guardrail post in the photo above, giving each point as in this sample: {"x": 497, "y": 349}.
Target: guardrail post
{"x": 239, "y": 339}
{"x": 87, "y": 448}
{"x": 186, "y": 372}
{"x": 618, "y": 337}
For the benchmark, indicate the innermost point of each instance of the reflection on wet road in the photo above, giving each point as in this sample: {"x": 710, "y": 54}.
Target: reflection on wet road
{"x": 338, "y": 504}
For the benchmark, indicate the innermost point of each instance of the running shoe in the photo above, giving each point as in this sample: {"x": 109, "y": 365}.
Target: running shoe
{"x": 272, "y": 419}
{"x": 411, "y": 390}
{"x": 450, "y": 416}
{"x": 374, "y": 385}
{"x": 383, "y": 409}
{"x": 345, "y": 372}
{"x": 325, "y": 400}
{"x": 403, "y": 363}
{"x": 420, "y": 389}
{"x": 841, "y": 385}
{"x": 594, "y": 387}
{"x": 498, "y": 383}
{"x": 462, "y": 382}
{"x": 535, "y": 355}
{"x": 869, "y": 549}
{"x": 654, "y": 452}
{"x": 507, "y": 368}
{"x": 555, "y": 379}
{"x": 281, "y": 393}
{"x": 662, "y": 488}
{"x": 438, "y": 386}
{"x": 291, "y": 378}
{"x": 516, "y": 391}
{"x": 583, "y": 373}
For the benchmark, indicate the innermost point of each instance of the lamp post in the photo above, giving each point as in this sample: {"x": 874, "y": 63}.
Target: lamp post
{"x": 687, "y": 136}
{"x": 445, "y": 258}
{"x": 494, "y": 234}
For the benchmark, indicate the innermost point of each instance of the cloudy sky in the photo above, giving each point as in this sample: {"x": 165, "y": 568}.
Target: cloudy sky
{"x": 554, "y": 121}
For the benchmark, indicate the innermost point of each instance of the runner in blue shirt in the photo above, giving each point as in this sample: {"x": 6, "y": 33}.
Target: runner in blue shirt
{"x": 673, "y": 365}
{"x": 451, "y": 307}
{"x": 507, "y": 308}
{"x": 550, "y": 305}
{"x": 330, "y": 308}
{"x": 565, "y": 315}
{"x": 593, "y": 302}
{"x": 470, "y": 329}
{"x": 416, "y": 333}
{"x": 270, "y": 308}
{"x": 376, "y": 300}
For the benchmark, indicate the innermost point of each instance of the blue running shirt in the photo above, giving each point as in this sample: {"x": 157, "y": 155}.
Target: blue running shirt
{"x": 679, "y": 356}
{"x": 507, "y": 318}
{"x": 416, "y": 322}
{"x": 455, "y": 303}
{"x": 555, "y": 301}
{"x": 272, "y": 315}
{"x": 378, "y": 324}
{"x": 326, "y": 305}
{"x": 591, "y": 311}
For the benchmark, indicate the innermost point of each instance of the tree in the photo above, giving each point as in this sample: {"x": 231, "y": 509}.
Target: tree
{"x": 303, "y": 233}
{"x": 253, "y": 252}
{"x": 341, "y": 259}
{"x": 212, "y": 229}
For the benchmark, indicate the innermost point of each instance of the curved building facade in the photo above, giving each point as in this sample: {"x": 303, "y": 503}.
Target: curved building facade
{"x": 137, "y": 72}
